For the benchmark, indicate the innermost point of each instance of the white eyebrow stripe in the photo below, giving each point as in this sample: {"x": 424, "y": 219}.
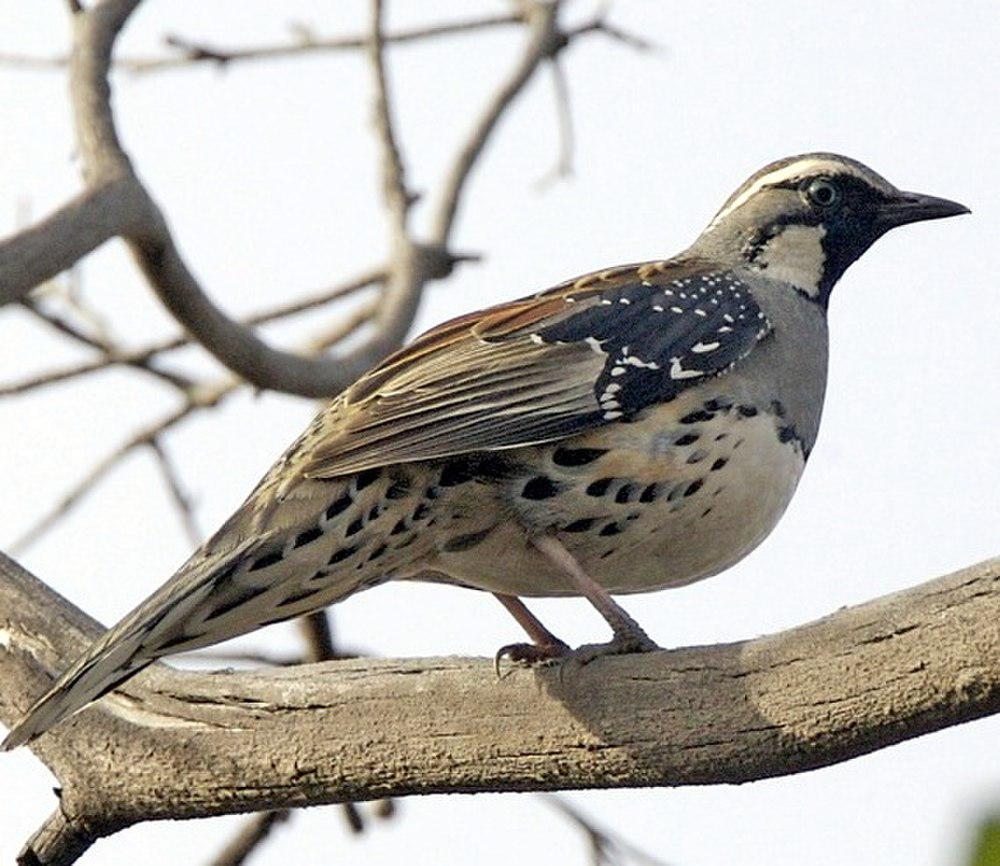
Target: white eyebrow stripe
{"x": 794, "y": 171}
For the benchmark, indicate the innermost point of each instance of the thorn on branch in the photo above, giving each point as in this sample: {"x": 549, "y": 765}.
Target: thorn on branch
{"x": 197, "y": 51}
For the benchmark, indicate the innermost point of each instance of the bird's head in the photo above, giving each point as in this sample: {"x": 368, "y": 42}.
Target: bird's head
{"x": 803, "y": 220}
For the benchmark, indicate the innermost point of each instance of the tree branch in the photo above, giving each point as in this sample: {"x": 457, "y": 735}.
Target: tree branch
{"x": 185, "y": 745}
{"x": 192, "y": 52}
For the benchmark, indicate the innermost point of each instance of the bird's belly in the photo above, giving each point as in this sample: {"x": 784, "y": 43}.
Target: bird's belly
{"x": 666, "y": 504}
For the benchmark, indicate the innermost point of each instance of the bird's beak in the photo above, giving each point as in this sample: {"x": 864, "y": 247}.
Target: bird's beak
{"x": 911, "y": 207}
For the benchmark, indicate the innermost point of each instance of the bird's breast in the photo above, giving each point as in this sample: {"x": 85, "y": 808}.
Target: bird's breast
{"x": 678, "y": 494}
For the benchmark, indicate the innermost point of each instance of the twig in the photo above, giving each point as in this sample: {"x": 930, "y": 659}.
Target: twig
{"x": 394, "y": 193}
{"x": 564, "y": 118}
{"x": 63, "y": 326}
{"x": 254, "y": 831}
{"x": 542, "y": 40}
{"x": 193, "y": 52}
{"x": 199, "y": 399}
{"x": 140, "y": 357}
{"x": 150, "y": 240}
{"x": 181, "y": 500}
{"x": 345, "y": 327}
{"x": 606, "y": 848}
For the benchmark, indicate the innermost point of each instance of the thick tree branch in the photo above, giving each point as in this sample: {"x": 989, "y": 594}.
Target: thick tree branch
{"x": 184, "y": 745}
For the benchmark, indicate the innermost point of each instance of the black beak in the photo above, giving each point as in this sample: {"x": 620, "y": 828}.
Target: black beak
{"x": 911, "y": 207}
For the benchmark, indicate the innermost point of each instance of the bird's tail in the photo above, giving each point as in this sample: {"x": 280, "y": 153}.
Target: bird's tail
{"x": 119, "y": 653}
{"x": 204, "y": 603}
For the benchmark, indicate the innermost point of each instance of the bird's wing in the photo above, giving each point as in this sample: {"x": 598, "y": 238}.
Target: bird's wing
{"x": 563, "y": 361}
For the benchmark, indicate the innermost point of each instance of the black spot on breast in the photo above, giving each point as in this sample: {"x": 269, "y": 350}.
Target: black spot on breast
{"x": 649, "y": 493}
{"x": 778, "y": 408}
{"x": 696, "y": 417}
{"x": 267, "y": 559}
{"x": 431, "y": 493}
{"x": 599, "y": 487}
{"x": 297, "y": 597}
{"x": 234, "y": 601}
{"x": 719, "y": 404}
{"x": 340, "y": 505}
{"x": 377, "y": 552}
{"x": 355, "y": 526}
{"x": 610, "y": 529}
{"x": 577, "y": 456}
{"x": 307, "y": 536}
{"x": 366, "y": 477}
{"x": 707, "y": 511}
{"x": 693, "y": 487}
{"x": 454, "y": 473}
{"x": 787, "y": 433}
{"x": 697, "y": 456}
{"x": 540, "y": 487}
{"x": 398, "y": 489}
{"x": 421, "y": 511}
{"x": 401, "y": 526}
{"x": 581, "y": 525}
{"x": 342, "y": 554}
{"x": 747, "y": 411}
{"x": 467, "y": 541}
{"x": 376, "y": 512}
{"x": 407, "y": 542}
{"x": 608, "y": 553}
{"x": 718, "y": 464}
{"x": 687, "y": 439}
{"x": 625, "y": 493}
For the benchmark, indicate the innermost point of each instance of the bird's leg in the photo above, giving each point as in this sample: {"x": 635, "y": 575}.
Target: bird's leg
{"x": 546, "y": 645}
{"x": 628, "y": 634}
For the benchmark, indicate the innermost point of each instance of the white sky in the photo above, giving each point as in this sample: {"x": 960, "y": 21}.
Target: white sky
{"x": 268, "y": 176}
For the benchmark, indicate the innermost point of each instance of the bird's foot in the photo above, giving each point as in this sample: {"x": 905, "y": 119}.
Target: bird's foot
{"x": 531, "y": 654}
{"x": 623, "y": 643}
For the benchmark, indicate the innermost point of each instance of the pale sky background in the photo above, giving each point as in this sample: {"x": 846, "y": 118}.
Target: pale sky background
{"x": 267, "y": 173}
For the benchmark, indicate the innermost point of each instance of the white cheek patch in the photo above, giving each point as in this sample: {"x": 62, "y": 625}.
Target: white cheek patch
{"x": 795, "y": 256}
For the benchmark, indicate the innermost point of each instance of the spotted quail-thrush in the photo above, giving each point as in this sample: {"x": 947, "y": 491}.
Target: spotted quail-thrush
{"x": 634, "y": 429}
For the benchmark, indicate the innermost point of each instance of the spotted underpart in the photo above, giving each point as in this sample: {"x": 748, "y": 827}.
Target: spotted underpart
{"x": 662, "y": 336}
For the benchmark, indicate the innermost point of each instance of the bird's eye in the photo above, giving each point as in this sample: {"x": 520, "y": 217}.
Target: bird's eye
{"x": 823, "y": 193}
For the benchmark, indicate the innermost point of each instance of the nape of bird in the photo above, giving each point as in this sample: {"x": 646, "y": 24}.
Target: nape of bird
{"x": 637, "y": 428}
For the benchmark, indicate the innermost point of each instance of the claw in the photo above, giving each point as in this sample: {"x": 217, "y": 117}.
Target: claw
{"x": 529, "y": 654}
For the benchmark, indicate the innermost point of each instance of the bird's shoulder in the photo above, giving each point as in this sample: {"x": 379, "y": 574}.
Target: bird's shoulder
{"x": 585, "y": 352}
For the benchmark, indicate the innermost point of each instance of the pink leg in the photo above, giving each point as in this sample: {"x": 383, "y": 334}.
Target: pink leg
{"x": 546, "y": 645}
{"x": 628, "y": 635}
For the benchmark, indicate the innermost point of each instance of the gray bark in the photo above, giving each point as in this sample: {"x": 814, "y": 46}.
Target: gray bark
{"x": 184, "y": 745}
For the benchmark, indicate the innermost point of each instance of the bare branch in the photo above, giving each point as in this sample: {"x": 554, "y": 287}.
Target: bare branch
{"x": 563, "y": 167}
{"x": 63, "y": 326}
{"x": 35, "y": 255}
{"x": 254, "y": 831}
{"x": 193, "y": 52}
{"x": 199, "y": 399}
{"x": 140, "y": 357}
{"x": 394, "y": 193}
{"x": 606, "y": 848}
{"x": 174, "y": 744}
{"x": 150, "y": 240}
{"x": 180, "y": 499}
{"x": 543, "y": 40}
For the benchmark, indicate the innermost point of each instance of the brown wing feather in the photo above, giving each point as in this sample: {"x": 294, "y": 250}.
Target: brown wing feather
{"x": 482, "y": 381}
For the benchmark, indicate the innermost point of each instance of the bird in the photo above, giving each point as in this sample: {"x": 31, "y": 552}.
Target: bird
{"x": 634, "y": 429}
